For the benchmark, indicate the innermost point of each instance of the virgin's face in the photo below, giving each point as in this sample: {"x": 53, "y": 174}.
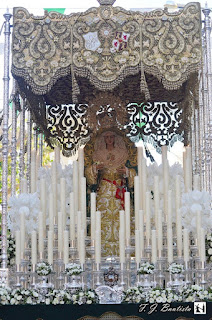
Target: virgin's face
{"x": 109, "y": 139}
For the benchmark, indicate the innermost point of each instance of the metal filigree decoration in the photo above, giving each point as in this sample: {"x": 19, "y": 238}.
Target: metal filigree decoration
{"x": 106, "y": 45}
{"x": 159, "y": 123}
{"x": 111, "y": 277}
{"x": 4, "y": 277}
{"x": 106, "y": 110}
{"x": 67, "y": 124}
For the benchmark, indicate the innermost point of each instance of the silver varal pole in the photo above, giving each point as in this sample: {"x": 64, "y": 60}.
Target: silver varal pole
{"x": 29, "y": 149}
{"x": 22, "y": 136}
{"x": 6, "y": 80}
{"x": 13, "y": 143}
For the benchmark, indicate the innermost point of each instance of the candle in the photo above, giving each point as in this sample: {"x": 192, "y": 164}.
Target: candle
{"x": 127, "y": 215}
{"x": 202, "y": 246}
{"x": 82, "y": 247}
{"x": 40, "y": 232}
{"x": 98, "y": 220}
{"x": 141, "y": 232}
{"x": 179, "y": 234}
{"x": 75, "y": 185}
{"x": 165, "y": 187}
{"x": 65, "y": 247}
{"x": 50, "y": 247}
{"x": 79, "y": 227}
{"x": 34, "y": 247}
{"x": 136, "y": 199}
{"x": 72, "y": 217}
{"x": 169, "y": 217}
{"x": 140, "y": 173}
{"x": 170, "y": 245}
{"x": 23, "y": 185}
{"x": 196, "y": 184}
{"x": 148, "y": 218}
{"x": 198, "y": 228}
{"x": 22, "y": 229}
{"x": 54, "y": 186}
{"x": 93, "y": 215}
{"x": 164, "y": 154}
{"x": 57, "y": 154}
{"x": 81, "y": 162}
{"x": 156, "y": 199}
{"x": 177, "y": 193}
{"x": 18, "y": 247}
{"x": 186, "y": 245}
{"x": 33, "y": 177}
{"x": 83, "y": 204}
{"x": 160, "y": 234}
{"x": 154, "y": 247}
{"x": 98, "y": 247}
{"x": 137, "y": 247}
{"x": 43, "y": 200}
{"x": 60, "y": 233}
{"x": 63, "y": 201}
{"x": 122, "y": 220}
{"x": 144, "y": 183}
{"x": 51, "y": 212}
{"x": 122, "y": 247}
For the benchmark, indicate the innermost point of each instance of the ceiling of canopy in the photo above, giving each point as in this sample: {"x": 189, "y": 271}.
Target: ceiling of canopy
{"x": 134, "y": 56}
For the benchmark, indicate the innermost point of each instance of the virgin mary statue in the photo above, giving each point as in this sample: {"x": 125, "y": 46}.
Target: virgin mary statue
{"x": 111, "y": 175}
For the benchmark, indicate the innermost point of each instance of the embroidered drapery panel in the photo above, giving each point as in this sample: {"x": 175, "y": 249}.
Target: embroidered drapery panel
{"x": 106, "y": 45}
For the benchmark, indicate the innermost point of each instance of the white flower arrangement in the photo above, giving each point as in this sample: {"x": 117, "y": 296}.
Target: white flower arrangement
{"x": 56, "y": 297}
{"x": 73, "y": 269}
{"x": 22, "y": 296}
{"x": 146, "y": 268}
{"x": 27, "y": 203}
{"x": 133, "y": 295}
{"x": 85, "y": 297}
{"x": 196, "y": 293}
{"x": 192, "y": 202}
{"x": 175, "y": 268}
{"x": 163, "y": 295}
{"x": 43, "y": 268}
{"x": 10, "y": 249}
{"x": 209, "y": 247}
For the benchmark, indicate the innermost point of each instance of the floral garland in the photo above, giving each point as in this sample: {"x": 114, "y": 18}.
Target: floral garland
{"x": 158, "y": 295}
{"x": 73, "y": 269}
{"x": 44, "y": 268}
{"x": 209, "y": 247}
{"x": 10, "y": 249}
{"x": 146, "y": 268}
{"x": 85, "y": 297}
{"x": 175, "y": 268}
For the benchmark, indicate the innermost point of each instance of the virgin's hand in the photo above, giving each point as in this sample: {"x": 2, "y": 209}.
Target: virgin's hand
{"x": 100, "y": 166}
{"x": 121, "y": 170}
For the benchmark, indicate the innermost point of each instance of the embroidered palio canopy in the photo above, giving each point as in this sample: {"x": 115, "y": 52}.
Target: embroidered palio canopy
{"x": 138, "y": 56}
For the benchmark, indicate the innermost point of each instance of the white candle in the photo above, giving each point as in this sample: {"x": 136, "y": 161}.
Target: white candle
{"x": 79, "y": 228}
{"x": 60, "y": 233}
{"x": 148, "y": 218}
{"x": 165, "y": 187}
{"x": 81, "y": 162}
{"x": 17, "y": 247}
{"x": 72, "y": 217}
{"x": 179, "y": 234}
{"x": 164, "y": 154}
{"x": 122, "y": 220}
{"x": 98, "y": 247}
{"x": 23, "y": 185}
{"x": 170, "y": 245}
{"x": 122, "y": 247}
{"x": 160, "y": 233}
{"x": 137, "y": 247}
{"x": 51, "y": 212}
{"x": 33, "y": 177}
{"x": 75, "y": 185}
{"x": 82, "y": 247}
{"x": 66, "y": 247}
{"x": 63, "y": 201}
{"x": 22, "y": 229}
{"x": 40, "y": 232}
{"x": 136, "y": 199}
{"x": 154, "y": 247}
{"x": 156, "y": 199}
{"x": 189, "y": 166}
{"x": 186, "y": 245}
{"x": 57, "y": 154}
{"x": 43, "y": 200}
{"x": 34, "y": 247}
{"x": 98, "y": 220}
{"x": 139, "y": 161}
{"x": 198, "y": 228}
{"x": 177, "y": 193}
{"x": 50, "y": 247}
{"x": 83, "y": 204}
{"x": 169, "y": 217}
{"x": 93, "y": 215}
{"x": 54, "y": 187}
{"x": 127, "y": 215}
{"x": 141, "y": 232}
{"x": 202, "y": 246}
{"x": 144, "y": 184}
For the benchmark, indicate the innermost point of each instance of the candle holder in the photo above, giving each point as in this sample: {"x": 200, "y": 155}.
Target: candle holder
{"x": 159, "y": 277}
{"x": 202, "y": 275}
{"x": 18, "y": 274}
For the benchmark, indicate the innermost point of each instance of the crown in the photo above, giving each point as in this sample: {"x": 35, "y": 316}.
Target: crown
{"x": 106, "y": 2}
